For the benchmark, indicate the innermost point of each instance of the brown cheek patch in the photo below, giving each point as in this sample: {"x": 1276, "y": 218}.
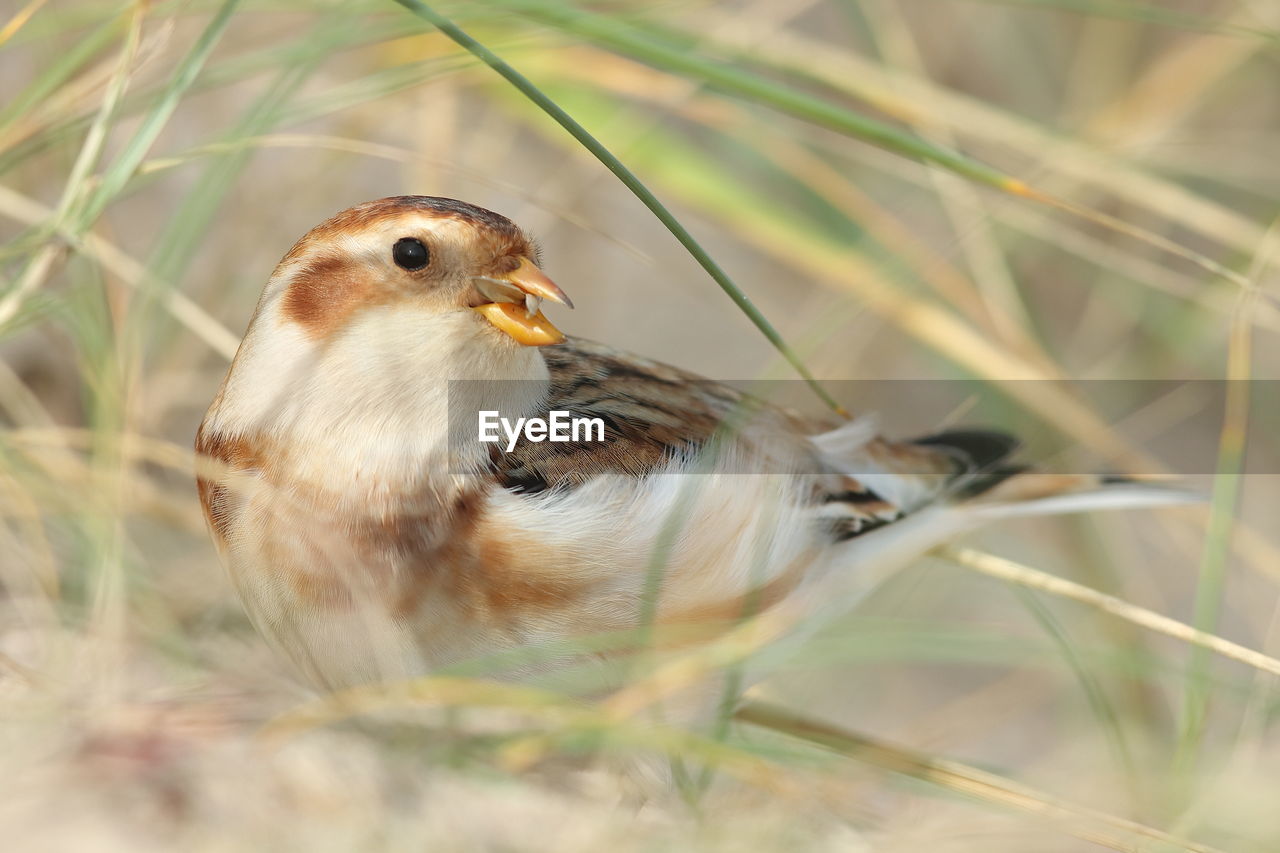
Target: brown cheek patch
{"x": 324, "y": 293}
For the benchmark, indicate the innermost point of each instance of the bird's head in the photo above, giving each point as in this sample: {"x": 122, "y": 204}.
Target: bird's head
{"x": 417, "y": 256}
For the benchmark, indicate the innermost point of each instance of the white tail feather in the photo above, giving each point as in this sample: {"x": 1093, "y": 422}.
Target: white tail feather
{"x": 860, "y": 565}
{"x": 1103, "y": 496}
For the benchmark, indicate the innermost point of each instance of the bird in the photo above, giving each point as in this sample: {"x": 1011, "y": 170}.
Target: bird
{"x": 373, "y": 537}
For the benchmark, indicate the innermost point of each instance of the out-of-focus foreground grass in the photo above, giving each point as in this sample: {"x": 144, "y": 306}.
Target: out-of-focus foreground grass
{"x": 156, "y": 159}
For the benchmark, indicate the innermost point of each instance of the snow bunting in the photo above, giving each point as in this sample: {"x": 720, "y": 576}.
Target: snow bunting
{"x": 374, "y": 536}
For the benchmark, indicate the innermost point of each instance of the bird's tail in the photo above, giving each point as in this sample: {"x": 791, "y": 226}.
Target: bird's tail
{"x": 989, "y": 487}
{"x": 986, "y": 487}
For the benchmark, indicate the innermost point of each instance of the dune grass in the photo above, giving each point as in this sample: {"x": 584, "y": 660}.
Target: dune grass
{"x": 1015, "y": 193}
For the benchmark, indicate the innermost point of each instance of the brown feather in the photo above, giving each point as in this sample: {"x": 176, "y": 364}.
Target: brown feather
{"x": 229, "y": 454}
{"x": 326, "y": 292}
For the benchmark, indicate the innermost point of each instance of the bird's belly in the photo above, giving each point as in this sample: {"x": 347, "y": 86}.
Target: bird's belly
{"x": 354, "y": 603}
{"x": 347, "y": 606}
{"x": 347, "y": 637}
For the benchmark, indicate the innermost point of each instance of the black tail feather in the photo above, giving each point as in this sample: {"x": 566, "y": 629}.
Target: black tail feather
{"x": 981, "y": 456}
{"x": 981, "y": 449}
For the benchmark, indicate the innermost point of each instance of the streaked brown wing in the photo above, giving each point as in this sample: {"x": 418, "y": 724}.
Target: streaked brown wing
{"x": 653, "y": 412}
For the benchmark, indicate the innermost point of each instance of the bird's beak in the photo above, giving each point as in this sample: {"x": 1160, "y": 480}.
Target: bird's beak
{"x": 514, "y": 302}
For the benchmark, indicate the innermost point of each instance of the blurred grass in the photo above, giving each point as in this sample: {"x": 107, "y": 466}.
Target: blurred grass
{"x": 837, "y": 160}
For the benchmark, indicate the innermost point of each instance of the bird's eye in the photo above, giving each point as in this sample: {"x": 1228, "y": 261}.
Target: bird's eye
{"x": 410, "y": 254}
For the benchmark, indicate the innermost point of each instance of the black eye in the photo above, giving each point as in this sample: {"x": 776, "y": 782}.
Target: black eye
{"x": 410, "y": 254}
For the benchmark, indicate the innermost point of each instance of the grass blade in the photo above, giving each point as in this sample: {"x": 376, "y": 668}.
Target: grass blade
{"x": 127, "y": 163}
{"x": 629, "y": 179}
{"x": 682, "y": 59}
{"x": 1099, "y": 827}
{"x": 19, "y": 20}
{"x": 1211, "y": 585}
{"x": 1009, "y": 571}
{"x": 57, "y": 75}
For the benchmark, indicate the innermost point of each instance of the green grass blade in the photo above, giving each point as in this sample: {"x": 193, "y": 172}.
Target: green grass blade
{"x": 268, "y": 110}
{"x": 1227, "y": 486}
{"x": 1103, "y": 709}
{"x": 675, "y": 52}
{"x": 60, "y": 72}
{"x": 1147, "y": 13}
{"x": 1084, "y": 822}
{"x": 127, "y": 163}
{"x": 629, "y": 179}
{"x": 217, "y": 75}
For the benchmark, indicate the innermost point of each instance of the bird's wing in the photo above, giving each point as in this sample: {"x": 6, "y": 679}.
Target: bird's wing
{"x": 654, "y": 413}
{"x": 578, "y": 528}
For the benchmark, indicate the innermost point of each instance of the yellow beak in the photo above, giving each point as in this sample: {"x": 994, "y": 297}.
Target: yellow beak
{"x": 516, "y": 298}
